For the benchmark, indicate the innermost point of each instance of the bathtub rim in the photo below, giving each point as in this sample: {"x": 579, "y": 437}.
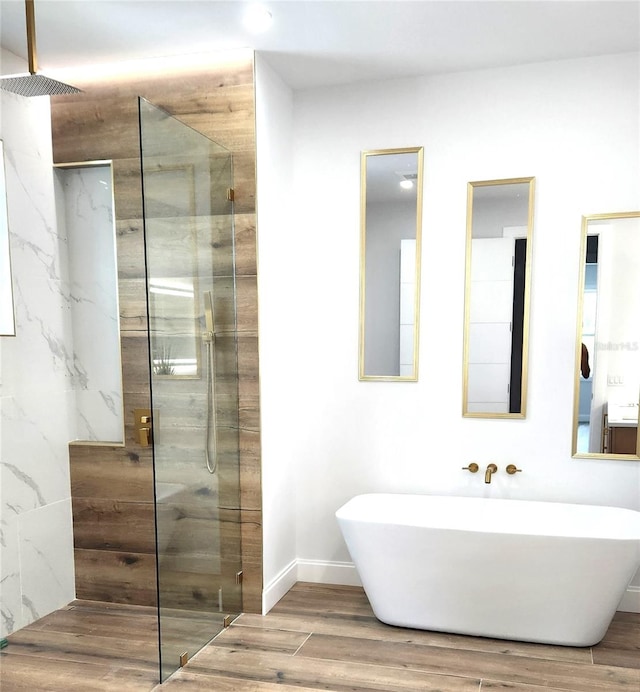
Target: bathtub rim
{"x": 576, "y": 532}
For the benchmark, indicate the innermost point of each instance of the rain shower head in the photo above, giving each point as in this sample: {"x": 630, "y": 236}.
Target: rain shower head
{"x": 34, "y": 84}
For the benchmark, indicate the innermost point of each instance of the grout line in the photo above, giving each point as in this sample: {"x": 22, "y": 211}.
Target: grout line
{"x": 303, "y": 643}
{"x": 270, "y": 627}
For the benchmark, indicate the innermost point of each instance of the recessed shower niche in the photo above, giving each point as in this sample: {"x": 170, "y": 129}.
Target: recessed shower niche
{"x": 84, "y": 201}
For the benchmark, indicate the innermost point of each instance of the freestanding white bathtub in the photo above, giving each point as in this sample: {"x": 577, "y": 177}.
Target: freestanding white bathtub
{"x": 510, "y": 569}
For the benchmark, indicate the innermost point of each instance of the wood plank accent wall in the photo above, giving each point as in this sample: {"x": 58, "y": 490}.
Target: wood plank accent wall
{"x": 112, "y": 485}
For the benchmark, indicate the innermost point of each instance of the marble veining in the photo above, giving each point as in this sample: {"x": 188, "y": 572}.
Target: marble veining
{"x": 46, "y": 557}
{"x": 40, "y": 351}
{"x": 26, "y": 602}
{"x": 85, "y": 199}
{"x": 35, "y": 242}
{"x": 27, "y": 480}
{"x": 38, "y": 369}
{"x": 34, "y": 460}
{"x": 10, "y": 597}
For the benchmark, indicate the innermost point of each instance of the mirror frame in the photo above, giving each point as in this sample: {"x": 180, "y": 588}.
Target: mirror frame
{"x": 578, "y": 348}
{"x": 527, "y": 298}
{"x": 7, "y": 305}
{"x": 363, "y": 236}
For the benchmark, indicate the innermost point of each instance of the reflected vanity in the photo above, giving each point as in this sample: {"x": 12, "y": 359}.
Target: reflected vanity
{"x": 7, "y": 320}
{"x": 390, "y": 241}
{"x": 607, "y": 369}
{"x": 497, "y": 296}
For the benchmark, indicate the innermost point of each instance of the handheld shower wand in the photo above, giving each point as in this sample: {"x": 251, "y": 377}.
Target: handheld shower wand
{"x": 208, "y": 336}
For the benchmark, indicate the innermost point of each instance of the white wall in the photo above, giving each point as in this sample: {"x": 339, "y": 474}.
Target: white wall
{"x": 279, "y": 310}
{"x": 625, "y": 308}
{"x": 36, "y": 369}
{"x": 573, "y": 125}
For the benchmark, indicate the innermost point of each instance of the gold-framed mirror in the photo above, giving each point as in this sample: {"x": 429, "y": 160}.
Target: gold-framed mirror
{"x": 607, "y": 354}
{"x": 390, "y": 251}
{"x": 497, "y": 297}
{"x": 7, "y": 315}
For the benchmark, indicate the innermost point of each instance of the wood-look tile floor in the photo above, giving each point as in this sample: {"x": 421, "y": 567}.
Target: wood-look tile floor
{"x": 317, "y": 638}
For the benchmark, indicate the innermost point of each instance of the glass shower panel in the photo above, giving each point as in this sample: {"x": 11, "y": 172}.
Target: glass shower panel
{"x": 189, "y": 244}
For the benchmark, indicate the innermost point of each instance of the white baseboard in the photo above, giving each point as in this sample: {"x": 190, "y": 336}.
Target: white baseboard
{"x": 630, "y": 602}
{"x": 317, "y": 571}
{"x": 322, "y": 572}
{"x": 279, "y": 586}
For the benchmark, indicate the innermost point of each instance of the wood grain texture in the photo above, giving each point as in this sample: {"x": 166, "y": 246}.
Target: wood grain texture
{"x": 71, "y": 646}
{"x": 245, "y": 238}
{"x": 113, "y": 525}
{"x": 247, "y": 304}
{"x": 127, "y": 190}
{"x": 186, "y": 680}
{"x": 130, "y": 248}
{"x": 268, "y": 666}
{"x": 114, "y": 576}
{"x": 132, "y": 294}
{"x": 25, "y": 673}
{"x": 249, "y": 385}
{"x": 621, "y": 644}
{"x": 547, "y": 673}
{"x": 251, "y": 528}
{"x": 116, "y": 473}
{"x": 217, "y": 99}
{"x": 365, "y": 628}
{"x": 319, "y": 637}
{"x": 250, "y": 469}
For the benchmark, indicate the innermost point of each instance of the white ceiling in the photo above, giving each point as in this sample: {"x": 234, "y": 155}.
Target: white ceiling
{"x": 319, "y": 42}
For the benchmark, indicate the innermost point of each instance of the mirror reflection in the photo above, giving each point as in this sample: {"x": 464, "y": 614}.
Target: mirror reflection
{"x": 172, "y": 222}
{"x": 174, "y": 344}
{"x": 607, "y": 383}
{"x": 391, "y": 205}
{"x": 7, "y": 320}
{"x": 498, "y": 270}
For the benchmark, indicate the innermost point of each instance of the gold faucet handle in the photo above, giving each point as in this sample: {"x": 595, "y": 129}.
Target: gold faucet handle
{"x": 473, "y": 467}
{"x": 511, "y": 469}
{"x": 144, "y": 437}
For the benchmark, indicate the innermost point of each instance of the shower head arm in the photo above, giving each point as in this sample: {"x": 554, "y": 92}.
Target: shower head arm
{"x": 31, "y": 36}
{"x": 34, "y": 84}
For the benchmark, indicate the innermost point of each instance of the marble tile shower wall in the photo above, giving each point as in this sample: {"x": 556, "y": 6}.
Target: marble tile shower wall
{"x": 37, "y": 372}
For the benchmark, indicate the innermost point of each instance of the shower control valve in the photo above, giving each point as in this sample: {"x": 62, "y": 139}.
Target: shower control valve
{"x": 143, "y": 426}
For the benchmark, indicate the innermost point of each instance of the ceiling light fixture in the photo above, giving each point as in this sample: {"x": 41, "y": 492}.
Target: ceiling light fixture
{"x": 257, "y": 19}
{"x": 406, "y": 184}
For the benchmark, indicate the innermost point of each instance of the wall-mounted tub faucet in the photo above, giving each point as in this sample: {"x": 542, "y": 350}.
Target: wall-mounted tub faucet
{"x": 491, "y": 469}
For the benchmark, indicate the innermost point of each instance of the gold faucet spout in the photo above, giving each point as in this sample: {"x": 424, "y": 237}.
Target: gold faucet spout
{"x": 491, "y": 469}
